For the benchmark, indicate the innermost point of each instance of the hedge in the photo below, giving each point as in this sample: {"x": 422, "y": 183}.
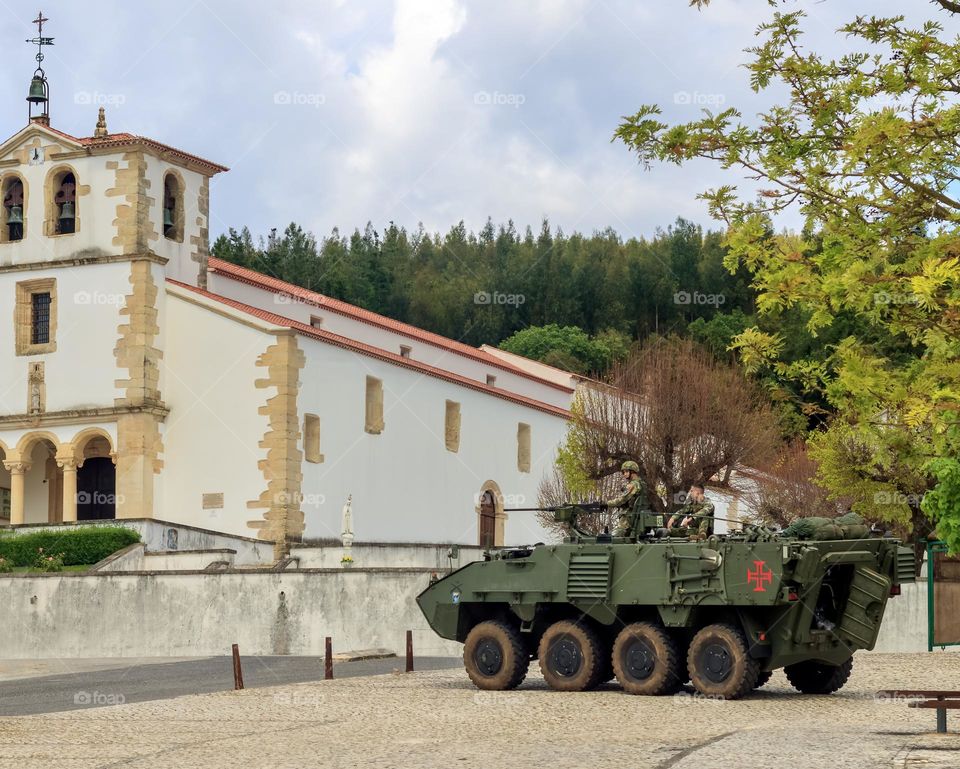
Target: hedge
{"x": 80, "y": 546}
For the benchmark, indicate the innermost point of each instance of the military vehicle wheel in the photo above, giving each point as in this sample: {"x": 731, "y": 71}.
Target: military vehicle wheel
{"x": 719, "y": 663}
{"x": 646, "y": 661}
{"x": 570, "y": 657}
{"x": 495, "y": 657}
{"x": 763, "y": 679}
{"x": 814, "y": 677}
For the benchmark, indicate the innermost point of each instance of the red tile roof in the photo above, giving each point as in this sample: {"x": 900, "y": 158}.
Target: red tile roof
{"x": 375, "y": 352}
{"x": 251, "y": 277}
{"x": 126, "y": 139}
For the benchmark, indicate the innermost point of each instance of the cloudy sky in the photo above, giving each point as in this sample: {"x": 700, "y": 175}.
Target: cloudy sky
{"x": 338, "y": 112}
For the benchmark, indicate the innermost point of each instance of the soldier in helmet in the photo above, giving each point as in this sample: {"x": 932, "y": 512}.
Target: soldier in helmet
{"x": 633, "y": 491}
{"x": 695, "y": 518}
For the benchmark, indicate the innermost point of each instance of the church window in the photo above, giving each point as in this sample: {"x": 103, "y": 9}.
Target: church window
{"x": 316, "y": 321}
{"x": 374, "y": 406}
{"x": 311, "y": 438}
{"x": 172, "y": 208}
{"x": 36, "y": 316}
{"x": 405, "y": 351}
{"x": 523, "y": 447}
{"x": 451, "y": 426}
{"x": 65, "y": 204}
{"x": 40, "y": 318}
{"x": 491, "y": 380}
{"x": 12, "y": 210}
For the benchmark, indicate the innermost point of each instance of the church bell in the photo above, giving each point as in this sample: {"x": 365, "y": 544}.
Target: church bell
{"x": 67, "y": 211}
{"x": 15, "y": 215}
{"x": 168, "y": 217}
{"x": 38, "y": 90}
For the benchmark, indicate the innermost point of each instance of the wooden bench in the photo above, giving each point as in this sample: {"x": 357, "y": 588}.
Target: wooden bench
{"x": 934, "y": 699}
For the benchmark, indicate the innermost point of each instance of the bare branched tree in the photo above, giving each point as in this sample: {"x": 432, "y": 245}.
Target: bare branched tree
{"x": 555, "y": 491}
{"x": 785, "y": 489}
{"x": 682, "y": 415}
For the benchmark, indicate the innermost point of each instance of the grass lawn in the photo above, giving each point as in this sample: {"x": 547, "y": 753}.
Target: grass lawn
{"x": 35, "y": 570}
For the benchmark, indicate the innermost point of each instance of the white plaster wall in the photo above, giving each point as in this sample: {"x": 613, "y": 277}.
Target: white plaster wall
{"x": 95, "y": 210}
{"x": 405, "y": 485}
{"x": 83, "y": 370}
{"x": 384, "y": 339}
{"x": 211, "y": 436}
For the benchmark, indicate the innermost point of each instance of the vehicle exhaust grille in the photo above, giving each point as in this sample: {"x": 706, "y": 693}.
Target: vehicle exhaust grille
{"x": 588, "y": 577}
{"x": 905, "y": 565}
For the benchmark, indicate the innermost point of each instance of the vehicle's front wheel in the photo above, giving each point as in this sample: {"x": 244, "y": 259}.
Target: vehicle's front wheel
{"x": 646, "y": 661}
{"x": 814, "y": 677}
{"x": 494, "y": 656}
{"x": 719, "y": 664}
{"x": 570, "y": 657}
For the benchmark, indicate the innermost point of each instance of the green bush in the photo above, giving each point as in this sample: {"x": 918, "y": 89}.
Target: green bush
{"x": 80, "y": 547}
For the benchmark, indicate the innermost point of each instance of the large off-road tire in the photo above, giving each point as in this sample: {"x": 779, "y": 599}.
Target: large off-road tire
{"x": 719, "y": 664}
{"x": 646, "y": 661}
{"x": 813, "y": 677}
{"x": 494, "y": 656}
{"x": 763, "y": 679}
{"x": 570, "y": 657}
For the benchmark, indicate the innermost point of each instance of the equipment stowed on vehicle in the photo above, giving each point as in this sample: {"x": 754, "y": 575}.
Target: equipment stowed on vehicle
{"x": 656, "y": 612}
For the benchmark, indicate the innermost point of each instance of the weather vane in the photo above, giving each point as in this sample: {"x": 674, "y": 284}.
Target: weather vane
{"x": 39, "y": 92}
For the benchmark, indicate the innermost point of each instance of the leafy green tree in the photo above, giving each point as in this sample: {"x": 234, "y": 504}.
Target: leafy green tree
{"x": 865, "y": 146}
{"x": 569, "y": 347}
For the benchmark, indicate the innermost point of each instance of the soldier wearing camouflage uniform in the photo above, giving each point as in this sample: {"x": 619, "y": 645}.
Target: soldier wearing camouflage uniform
{"x": 683, "y": 523}
{"x": 634, "y": 491}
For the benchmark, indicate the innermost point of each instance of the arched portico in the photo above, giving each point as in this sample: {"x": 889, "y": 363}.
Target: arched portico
{"x": 36, "y": 481}
{"x": 4, "y": 485}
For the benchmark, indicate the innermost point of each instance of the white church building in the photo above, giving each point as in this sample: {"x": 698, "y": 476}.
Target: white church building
{"x": 142, "y": 378}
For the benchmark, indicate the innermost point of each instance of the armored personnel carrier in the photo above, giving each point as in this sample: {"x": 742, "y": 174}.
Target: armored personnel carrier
{"x": 657, "y": 612}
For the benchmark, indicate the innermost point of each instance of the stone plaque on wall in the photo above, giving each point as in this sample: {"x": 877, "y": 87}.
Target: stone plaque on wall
{"x": 213, "y": 501}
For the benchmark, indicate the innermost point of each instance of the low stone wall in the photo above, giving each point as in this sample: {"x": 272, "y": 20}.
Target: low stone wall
{"x": 389, "y": 555}
{"x": 161, "y": 614}
{"x": 193, "y": 613}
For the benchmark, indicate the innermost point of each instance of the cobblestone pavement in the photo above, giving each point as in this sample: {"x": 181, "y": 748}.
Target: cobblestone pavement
{"x": 437, "y": 719}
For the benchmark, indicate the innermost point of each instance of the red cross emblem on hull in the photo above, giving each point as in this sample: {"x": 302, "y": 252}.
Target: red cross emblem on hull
{"x": 759, "y": 576}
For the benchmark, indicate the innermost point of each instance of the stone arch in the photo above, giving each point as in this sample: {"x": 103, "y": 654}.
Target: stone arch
{"x": 40, "y": 495}
{"x": 77, "y": 447}
{"x": 6, "y": 183}
{"x": 490, "y": 493}
{"x": 28, "y": 442}
{"x": 51, "y": 186}
{"x": 174, "y": 187}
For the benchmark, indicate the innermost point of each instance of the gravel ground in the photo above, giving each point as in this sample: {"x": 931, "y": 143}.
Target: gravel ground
{"x": 437, "y": 719}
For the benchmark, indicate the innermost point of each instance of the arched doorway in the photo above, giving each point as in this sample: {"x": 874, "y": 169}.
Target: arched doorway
{"x": 488, "y": 519}
{"x": 96, "y": 489}
{"x": 490, "y": 515}
{"x": 96, "y": 477}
